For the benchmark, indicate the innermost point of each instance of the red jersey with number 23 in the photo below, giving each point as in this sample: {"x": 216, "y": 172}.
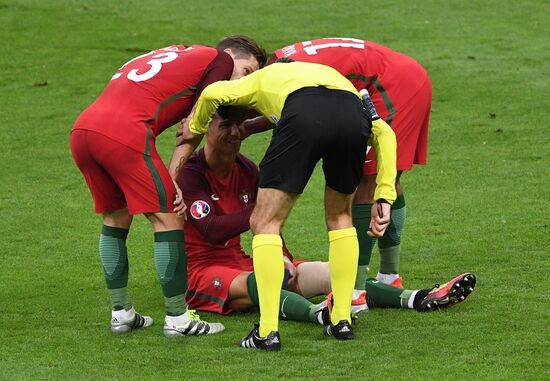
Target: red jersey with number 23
{"x": 154, "y": 91}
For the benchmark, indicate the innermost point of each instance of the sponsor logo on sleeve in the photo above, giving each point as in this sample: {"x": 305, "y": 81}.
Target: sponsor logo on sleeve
{"x": 199, "y": 209}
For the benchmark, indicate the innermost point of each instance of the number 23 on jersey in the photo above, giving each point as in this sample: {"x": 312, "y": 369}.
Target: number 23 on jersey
{"x": 148, "y": 65}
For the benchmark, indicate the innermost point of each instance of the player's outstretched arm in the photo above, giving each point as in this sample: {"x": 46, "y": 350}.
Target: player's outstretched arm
{"x": 241, "y": 92}
{"x": 254, "y": 126}
{"x": 182, "y": 152}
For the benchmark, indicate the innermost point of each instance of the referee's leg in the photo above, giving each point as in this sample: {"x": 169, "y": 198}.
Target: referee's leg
{"x": 343, "y": 252}
{"x": 271, "y": 210}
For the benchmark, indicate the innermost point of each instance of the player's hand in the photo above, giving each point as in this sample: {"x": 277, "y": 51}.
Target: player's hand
{"x": 244, "y": 132}
{"x": 292, "y": 272}
{"x": 179, "y": 205}
{"x": 379, "y": 218}
{"x": 179, "y": 133}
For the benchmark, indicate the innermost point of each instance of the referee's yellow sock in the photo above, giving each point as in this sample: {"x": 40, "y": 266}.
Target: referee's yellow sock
{"x": 269, "y": 269}
{"x": 343, "y": 254}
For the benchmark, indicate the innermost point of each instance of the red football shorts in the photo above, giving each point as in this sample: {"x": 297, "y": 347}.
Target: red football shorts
{"x": 121, "y": 177}
{"x": 410, "y": 124}
{"x": 209, "y": 281}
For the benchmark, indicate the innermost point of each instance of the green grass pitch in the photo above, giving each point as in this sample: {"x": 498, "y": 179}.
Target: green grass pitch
{"x": 480, "y": 205}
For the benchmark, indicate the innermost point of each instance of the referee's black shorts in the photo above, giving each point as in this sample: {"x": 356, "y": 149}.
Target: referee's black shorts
{"x": 317, "y": 123}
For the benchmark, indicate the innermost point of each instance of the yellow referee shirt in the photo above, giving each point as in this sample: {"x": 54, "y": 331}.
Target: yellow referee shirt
{"x": 266, "y": 91}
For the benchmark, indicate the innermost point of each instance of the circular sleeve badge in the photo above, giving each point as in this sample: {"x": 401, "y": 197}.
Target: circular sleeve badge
{"x": 199, "y": 209}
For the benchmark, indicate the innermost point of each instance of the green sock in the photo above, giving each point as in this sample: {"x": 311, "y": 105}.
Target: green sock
{"x": 380, "y": 295}
{"x": 293, "y": 306}
{"x": 361, "y": 221}
{"x": 390, "y": 244}
{"x": 114, "y": 257}
{"x": 171, "y": 263}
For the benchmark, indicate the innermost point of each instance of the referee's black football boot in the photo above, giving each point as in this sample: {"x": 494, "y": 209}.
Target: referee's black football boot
{"x": 271, "y": 342}
{"x": 341, "y": 331}
{"x": 447, "y": 295}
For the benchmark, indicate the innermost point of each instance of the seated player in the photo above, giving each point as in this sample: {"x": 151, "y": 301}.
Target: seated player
{"x": 219, "y": 185}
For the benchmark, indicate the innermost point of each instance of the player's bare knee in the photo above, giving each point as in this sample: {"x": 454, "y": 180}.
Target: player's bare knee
{"x": 337, "y": 210}
{"x": 237, "y": 297}
{"x": 339, "y": 221}
{"x": 119, "y": 218}
{"x": 165, "y": 221}
{"x": 262, "y": 223}
{"x": 265, "y": 227}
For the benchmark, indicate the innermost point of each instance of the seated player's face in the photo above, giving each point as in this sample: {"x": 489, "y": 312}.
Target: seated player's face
{"x": 223, "y": 136}
{"x": 244, "y": 65}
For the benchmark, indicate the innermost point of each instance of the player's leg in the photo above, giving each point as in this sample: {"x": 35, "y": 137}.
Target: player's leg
{"x": 343, "y": 155}
{"x": 343, "y": 257}
{"x": 284, "y": 172}
{"x": 114, "y": 257}
{"x": 381, "y": 295}
{"x": 170, "y": 260}
{"x": 171, "y": 265}
{"x": 389, "y": 245}
{"x": 93, "y": 155}
{"x": 410, "y": 124}
{"x": 271, "y": 210}
{"x": 361, "y": 211}
{"x": 239, "y": 297}
{"x": 313, "y": 279}
{"x": 243, "y": 294}
{"x": 151, "y": 191}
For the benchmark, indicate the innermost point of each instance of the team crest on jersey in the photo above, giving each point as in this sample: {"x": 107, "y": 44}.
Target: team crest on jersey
{"x": 199, "y": 209}
{"x": 244, "y": 197}
{"x": 216, "y": 282}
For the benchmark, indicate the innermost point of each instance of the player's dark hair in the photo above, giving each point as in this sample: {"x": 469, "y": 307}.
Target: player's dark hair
{"x": 284, "y": 60}
{"x": 244, "y": 46}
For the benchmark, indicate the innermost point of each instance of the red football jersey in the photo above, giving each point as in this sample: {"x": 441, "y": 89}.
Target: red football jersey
{"x": 364, "y": 63}
{"x": 153, "y": 92}
{"x": 218, "y": 210}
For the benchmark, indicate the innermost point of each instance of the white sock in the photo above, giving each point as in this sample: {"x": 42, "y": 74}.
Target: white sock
{"x": 387, "y": 278}
{"x": 123, "y": 315}
{"x": 319, "y": 315}
{"x": 178, "y": 320}
{"x": 410, "y": 302}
